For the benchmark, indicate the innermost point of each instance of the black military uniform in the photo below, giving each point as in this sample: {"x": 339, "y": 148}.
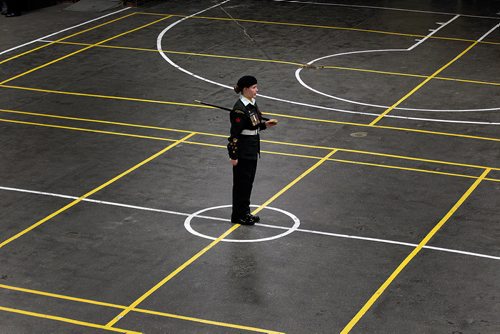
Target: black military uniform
{"x": 244, "y": 145}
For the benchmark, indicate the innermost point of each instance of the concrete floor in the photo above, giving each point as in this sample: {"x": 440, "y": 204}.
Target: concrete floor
{"x": 378, "y": 191}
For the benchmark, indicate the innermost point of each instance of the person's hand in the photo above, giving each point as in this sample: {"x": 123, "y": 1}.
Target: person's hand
{"x": 271, "y": 122}
{"x": 234, "y": 162}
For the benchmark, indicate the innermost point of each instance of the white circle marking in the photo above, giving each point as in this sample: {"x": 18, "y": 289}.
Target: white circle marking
{"x": 296, "y": 224}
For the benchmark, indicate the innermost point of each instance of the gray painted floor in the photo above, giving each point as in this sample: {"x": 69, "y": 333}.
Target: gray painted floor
{"x": 114, "y": 183}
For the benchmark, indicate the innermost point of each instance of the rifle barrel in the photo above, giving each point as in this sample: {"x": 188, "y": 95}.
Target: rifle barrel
{"x": 212, "y": 105}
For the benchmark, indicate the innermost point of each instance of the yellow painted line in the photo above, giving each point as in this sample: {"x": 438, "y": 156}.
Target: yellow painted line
{"x": 59, "y": 296}
{"x": 411, "y": 75}
{"x": 64, "y": 38}
{"x": 373, "y": 71}
{"x": 85, "y": 130}
{"x": 169, "y": 277}
{"x": 419, "y": 170}
{"x": 93, "y": 191}
{"x": 188, "y": 53}
{"x": 429, "y": 78}
{"x": 213, "y": 243}
{"x": 437, "y": 133}
{"x": 66, "y": 320}
{"x": 285, "y": 63}
{"x": 417, "y": 159}
{"x": 222, "y": 146}
{"x": 81, "y": 50}
{"x": 208, "y": 322}
{"x": 212, "y": 135}
{"x": 324, "y": 27}
{"x": 162, "y": 314}
{"x": 469, "y": 81}
{"x": 291, "y": 184}
{"x": 91, "y": 120}
{"x": 408, "y": 259}
{"x": 491, "y": 179}
{"x": 111, "y": 97}
{"x": 379, "y": 154}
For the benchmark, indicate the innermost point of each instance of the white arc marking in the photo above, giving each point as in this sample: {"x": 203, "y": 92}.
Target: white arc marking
{"x": 171, "y": 62}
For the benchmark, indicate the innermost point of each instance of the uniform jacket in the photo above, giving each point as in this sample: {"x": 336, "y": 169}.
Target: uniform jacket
{"x": 243, "y": 117}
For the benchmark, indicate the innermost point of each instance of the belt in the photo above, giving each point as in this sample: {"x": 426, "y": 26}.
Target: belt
{"x": 250, "y": 132}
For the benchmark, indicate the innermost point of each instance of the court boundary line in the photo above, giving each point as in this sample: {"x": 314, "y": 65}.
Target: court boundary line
{"x": 387, "y": 8}
{"x": 429, "y": 78}
{"x": 216, "y": 241}
{"x": 277, "y": 61}
{"x": 411, "y": 169}
{"x": 162, "y": 34}
{"x": 303, "y": 118}
{"x": 93, "y": 191}
{"x": 177, "y": 213}
{"x": 66, "y": 37}
{"x": 367, "y": 306}
{"x": 334, "y": 152}
{"x": 137, "y": 310}
{"x": 66, "y": 320}
{"x": 370, "y": 153}
{"x": 305, "y": 25}
{"x": 362, "y": 102}
{"x": 82, "y": 50}
{"x": 64, "y": 30}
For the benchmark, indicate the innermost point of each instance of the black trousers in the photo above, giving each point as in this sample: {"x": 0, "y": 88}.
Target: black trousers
{"x": 13, "y": 6}
{"x": 243, "y": 177}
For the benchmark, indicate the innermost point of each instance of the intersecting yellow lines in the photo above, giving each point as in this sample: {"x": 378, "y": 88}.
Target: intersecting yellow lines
{"x": 302, "y": 118}
{"x": 137, "y": 310}
{"x": 82, "y": 50}
{"x": 66, "y": 320}
{"x": 321, "y": 27}
{"x": 216, "y": 241}
{"x": 284, "y": 62}
{"x": 67, "y": 37}
{"x": 93, "y": 191}
{"x": 420, "y": 85}
{"x": 379, "y": 154}
{"x": 366, "y": 307}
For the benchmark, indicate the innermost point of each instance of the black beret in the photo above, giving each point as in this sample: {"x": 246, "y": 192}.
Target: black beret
{"x": 244, "y": 82}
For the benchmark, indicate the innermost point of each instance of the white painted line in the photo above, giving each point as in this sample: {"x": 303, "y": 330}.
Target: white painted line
{"x": 60, "y": 31}
{"x": 260, "y": 224}
{"x": 293, "y": 228}
{"x": 107, "y": 203}
{"x": 489, "y": 32}
{"x": 433, "y": 31}
{"x": 442, "y": 120}
{"x": 299, "y": 79}
{"x": 385, "y": 241}
{"x": 386, "y": 8}
{"x": 171, "y": 62}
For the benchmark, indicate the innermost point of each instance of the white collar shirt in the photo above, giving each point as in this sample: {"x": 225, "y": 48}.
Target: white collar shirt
{"x": 247, "y": 101}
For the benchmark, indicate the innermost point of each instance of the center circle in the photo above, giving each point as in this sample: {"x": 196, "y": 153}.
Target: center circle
{"x": 187, "y": 225}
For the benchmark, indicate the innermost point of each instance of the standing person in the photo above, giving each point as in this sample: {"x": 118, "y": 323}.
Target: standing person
{"x": 244, "y": 147}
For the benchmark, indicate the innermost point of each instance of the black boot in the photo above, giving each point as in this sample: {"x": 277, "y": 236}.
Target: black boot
{"x": 253, "y": 218}
{"x": 245, "y": 220}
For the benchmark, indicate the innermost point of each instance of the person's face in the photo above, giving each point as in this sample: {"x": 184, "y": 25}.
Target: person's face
{"x": 250, "y": 92}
